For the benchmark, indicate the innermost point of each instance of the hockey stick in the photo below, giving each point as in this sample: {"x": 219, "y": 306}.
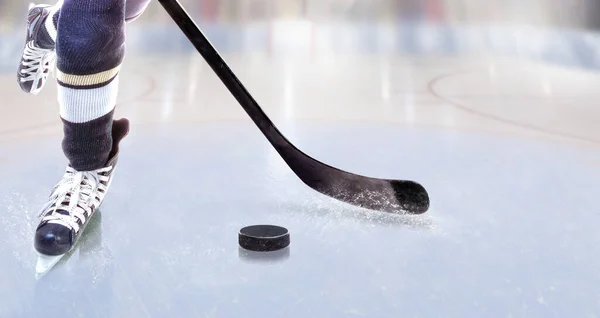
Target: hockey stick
{"x": 393, "y": 196}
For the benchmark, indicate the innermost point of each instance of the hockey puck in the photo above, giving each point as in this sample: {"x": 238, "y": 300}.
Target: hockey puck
{"x": 264, "y": 238}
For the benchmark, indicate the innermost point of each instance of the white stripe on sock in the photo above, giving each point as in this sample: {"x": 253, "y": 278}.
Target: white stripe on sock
{"x": 83, "y": 105}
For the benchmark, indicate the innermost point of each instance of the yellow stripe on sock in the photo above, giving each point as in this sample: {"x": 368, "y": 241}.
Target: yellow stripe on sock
{"x": 87, "y": 80}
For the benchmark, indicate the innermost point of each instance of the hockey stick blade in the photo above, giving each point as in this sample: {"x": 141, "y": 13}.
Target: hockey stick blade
{"x": 393, "y": 196}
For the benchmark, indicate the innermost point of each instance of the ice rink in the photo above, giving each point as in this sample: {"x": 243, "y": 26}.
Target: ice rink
{"x": 493, "y": 106}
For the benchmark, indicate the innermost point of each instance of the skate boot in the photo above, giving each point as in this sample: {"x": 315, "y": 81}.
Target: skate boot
{"x": 38, "y": 58}
{"x": 71, "y": 205}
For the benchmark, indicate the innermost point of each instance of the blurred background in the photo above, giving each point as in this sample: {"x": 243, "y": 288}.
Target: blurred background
{"x": 567, "y": 13}
{"x": 302, "y": 58}
{"x": 368, "y": 19}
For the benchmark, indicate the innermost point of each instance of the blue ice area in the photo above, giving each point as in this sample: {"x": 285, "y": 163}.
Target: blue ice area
{"x": 511, "y": 230}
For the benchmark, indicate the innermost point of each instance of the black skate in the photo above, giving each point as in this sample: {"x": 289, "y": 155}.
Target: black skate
{"x": 71, "y": 205}
{"x": 36, "y": 61}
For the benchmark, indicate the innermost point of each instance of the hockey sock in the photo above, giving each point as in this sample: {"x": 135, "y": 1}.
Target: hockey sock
{"x": 90, "y": 49}
{"x": 47, "y": 35}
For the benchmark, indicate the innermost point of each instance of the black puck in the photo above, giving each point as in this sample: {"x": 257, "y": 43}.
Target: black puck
{"x": 264, "y": 238}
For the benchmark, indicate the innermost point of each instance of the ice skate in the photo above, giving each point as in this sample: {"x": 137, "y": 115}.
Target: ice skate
{"x": 71, "y": 205}
{"x": 36, "y": 62}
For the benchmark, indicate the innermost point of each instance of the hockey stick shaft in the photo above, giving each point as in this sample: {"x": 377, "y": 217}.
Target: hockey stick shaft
{"x": 393, "y": 196}
{"x": 216, "y": 62}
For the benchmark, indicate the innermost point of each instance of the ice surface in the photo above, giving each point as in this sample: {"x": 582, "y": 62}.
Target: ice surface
{"x": 507, "y": 232}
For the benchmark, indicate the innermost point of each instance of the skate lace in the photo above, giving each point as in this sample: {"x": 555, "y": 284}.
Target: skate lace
{"x": 76, "y": 196}
{"x": 35, "y": 62}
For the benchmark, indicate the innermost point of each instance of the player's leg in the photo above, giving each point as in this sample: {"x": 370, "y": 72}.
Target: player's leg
{"x": 39, "y": 56}
{"x": 90, "y": 47}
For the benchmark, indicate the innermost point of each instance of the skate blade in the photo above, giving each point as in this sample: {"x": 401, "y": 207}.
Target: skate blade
{"x": 45, "y": 263}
